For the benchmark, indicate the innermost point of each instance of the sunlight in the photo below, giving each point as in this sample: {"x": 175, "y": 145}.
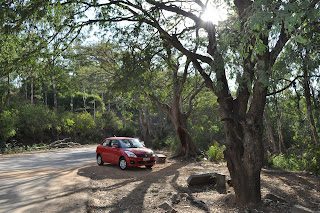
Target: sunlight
{"x": 214, "y": 14}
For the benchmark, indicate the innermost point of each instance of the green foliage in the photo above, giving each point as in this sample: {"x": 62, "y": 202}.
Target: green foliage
{"x": 7, "y": 127}
{"x": 68, "y": 123}
{"x": 34, "y": 120}
{"x": 84, "y": 124}
{"x": 204, "y": 122}
{"x": 172, "y": 143}
{"x": 112, "y": 122}
{"x": 215, "y": 152}
{"x": 298, "y": 160}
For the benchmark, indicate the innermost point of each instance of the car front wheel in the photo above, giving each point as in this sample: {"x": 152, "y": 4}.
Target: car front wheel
{"x": 99, "y": 160}
{"x": 122, "y": 163}
{"x": 149, "y": 167}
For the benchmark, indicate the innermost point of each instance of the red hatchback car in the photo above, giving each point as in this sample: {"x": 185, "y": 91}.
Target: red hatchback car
{"x": 124, "y": 151}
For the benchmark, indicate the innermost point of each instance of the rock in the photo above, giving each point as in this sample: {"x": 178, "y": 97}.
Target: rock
{"x": 175, "y": 199}
{"x": 165, "y": 206}
{"x": 198, "y": 203}
{"x": 208, "y": 178}
{"x": 274, "y": 198}
{"x": 301, "y": 209}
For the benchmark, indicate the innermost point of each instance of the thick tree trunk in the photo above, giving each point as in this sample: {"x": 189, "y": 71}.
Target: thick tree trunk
{"x": 187, "y": 148}
{"x": 245, "y": 157}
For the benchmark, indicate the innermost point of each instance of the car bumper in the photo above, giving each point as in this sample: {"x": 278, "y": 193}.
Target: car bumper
{"x": 133, "y": 162}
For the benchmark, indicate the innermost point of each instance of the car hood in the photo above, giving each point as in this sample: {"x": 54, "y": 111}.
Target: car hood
{"x": 139, "y": 151}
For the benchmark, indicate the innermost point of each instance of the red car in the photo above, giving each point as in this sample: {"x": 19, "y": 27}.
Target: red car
{"x": 124, "y": 151}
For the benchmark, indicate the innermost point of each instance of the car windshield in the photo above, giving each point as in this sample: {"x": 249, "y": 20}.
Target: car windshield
{"x": 130, "y": 143}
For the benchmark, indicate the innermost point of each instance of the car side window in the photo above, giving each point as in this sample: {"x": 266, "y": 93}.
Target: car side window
{"x": 106, "y": 143}
{"x": 114, "y": 142}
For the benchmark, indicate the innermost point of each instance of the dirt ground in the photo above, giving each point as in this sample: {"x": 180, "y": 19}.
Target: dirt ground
{"x": 165, "y": 189}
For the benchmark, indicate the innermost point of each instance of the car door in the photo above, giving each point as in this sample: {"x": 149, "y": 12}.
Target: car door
{"x": 114, "y": 152}
{"x": 105, "y": 151}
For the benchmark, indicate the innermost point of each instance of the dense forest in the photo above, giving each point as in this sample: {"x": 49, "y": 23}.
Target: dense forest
{"x": 155, "y": 70}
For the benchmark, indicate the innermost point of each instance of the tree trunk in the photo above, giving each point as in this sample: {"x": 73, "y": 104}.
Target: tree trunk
{"x": 145, "y": 128}
{"x": 6, "y": 102}
{"x": 245, "y": 153}
{"x": 270, "y": 132}
{"x": 71, "y": 103}
{"x": 55, "y": 102}
{"x": 94, "y": 109}
{"x": 307, "y": 95}
{"x": 26, "y": 88}
{"x": 298, "y": 98}
{"x": 316, "y": 107}
{"x": 281, "y": 144}
{"x": 84, "y": 99}
{"x": 31, "y": 96}
{"x": 187, "y": 149}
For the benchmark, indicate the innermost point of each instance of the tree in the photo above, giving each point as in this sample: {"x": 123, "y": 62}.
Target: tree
{"x": 256, "y": 35}
{"x": 253, "y": 37}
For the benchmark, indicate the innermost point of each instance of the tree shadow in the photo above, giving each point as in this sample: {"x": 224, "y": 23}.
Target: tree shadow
{"x": 143, "y": 178}
{"x": 302, "y": 189}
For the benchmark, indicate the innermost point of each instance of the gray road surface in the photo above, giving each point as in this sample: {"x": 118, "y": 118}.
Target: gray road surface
{"x": 44, "y": 181}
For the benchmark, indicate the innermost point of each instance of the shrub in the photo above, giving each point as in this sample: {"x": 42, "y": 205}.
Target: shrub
{"x": 7, "y": 127}
{"x": 84, "y": 124}
{"x": 34, "y": 120}
{"x": 215, "y": 152}
{"x": 307, "y": 159}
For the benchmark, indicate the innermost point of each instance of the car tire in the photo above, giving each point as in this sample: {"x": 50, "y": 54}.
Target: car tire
{"x": 122, "y": 163}
{"x": 99, "y": 160}
{"x": 149, "y": 167}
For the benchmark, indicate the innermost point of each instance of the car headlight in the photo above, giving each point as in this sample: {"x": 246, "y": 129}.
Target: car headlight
{"x": 130, "y": 154}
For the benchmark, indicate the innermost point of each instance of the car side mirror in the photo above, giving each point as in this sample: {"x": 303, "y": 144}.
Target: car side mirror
{"x": 115, "y": 146}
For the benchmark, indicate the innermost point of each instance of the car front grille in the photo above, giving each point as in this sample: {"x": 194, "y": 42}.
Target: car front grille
{"x": 144, "y": 155}
{"x": 145, "y": 162}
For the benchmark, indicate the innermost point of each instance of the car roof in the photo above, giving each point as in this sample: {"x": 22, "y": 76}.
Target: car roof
{"x": 119, "y": 138}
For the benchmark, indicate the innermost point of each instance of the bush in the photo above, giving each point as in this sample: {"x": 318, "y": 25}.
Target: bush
{"x": 215, "y": 152}
{"x": 84, "y": 124}
{"x": 7, "y": 127}
{"x": 34, "y": 121}
{"x": 307, "y": 159}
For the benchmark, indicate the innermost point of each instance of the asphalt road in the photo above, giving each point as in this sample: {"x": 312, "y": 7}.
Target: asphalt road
{"x": 45, "y": 181}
